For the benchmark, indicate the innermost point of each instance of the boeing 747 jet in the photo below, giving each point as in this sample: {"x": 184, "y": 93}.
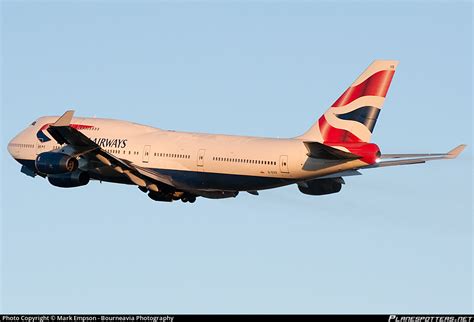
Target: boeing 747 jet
{"x": 167, "y": 165}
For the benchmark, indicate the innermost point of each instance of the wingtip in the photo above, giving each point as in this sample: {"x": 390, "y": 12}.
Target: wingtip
{"x": 65, "y": 119}
{"x": 456, "y": 151}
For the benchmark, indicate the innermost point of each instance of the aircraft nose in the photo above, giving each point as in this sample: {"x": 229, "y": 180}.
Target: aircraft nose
{"x": 14, "y": 147}
{"x": 11, "y": 147}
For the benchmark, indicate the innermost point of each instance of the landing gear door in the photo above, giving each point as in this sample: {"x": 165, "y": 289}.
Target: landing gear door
{"x": 284, "y": 164}
{"x": 200, "y": 159}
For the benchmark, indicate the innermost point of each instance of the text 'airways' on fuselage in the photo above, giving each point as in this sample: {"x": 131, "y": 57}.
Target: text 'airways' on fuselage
{"x": 110, "y": 143}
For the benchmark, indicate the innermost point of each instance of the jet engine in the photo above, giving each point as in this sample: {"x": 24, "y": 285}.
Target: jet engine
{"x": 320, "y": 187}
{"x": 69, "y": 180}
{"x": 55, "y": 163}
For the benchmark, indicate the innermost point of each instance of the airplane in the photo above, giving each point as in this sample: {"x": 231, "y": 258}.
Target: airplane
{"x": 168, "y": 165}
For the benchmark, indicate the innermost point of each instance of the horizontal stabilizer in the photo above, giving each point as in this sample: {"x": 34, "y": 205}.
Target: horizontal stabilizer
{"x": 321, "y": 151}
{"x": 456, "y": 151}
{"x": 409, "y": 155}
{"x": 387, "y": 160}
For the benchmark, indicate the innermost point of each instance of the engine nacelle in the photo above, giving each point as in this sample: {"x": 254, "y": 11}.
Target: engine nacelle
{"x": 320, "y": 187}
{"x": 55, "y": 163}
{"x": 69, "y": 180}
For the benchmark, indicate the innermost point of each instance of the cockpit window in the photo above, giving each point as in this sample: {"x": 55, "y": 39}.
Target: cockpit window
{"x": 34, "y": 122}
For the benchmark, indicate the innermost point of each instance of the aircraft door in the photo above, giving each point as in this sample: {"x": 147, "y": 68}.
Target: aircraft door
{"x": 200, "y": 158}
{"x": 146, "y": 153}
{"x": 284, "y": 164}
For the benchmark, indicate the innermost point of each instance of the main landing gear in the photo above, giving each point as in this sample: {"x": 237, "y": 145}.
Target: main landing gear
{"x": 188, "y": 198}
{"x": 169, "y": 196}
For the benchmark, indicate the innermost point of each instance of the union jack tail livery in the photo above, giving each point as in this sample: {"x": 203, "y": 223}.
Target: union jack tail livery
{"x": 352, "y": 117}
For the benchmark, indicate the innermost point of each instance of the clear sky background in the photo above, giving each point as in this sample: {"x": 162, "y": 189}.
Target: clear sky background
{"x": 394, "y": 240}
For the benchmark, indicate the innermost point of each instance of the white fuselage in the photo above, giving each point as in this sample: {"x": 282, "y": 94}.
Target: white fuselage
{"x": 206, "y": 162}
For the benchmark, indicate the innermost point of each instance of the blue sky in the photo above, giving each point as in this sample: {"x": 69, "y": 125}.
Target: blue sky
{"x": 394, "y": 240}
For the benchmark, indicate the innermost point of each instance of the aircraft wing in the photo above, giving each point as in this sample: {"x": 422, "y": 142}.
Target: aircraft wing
{"x": 387, "y": 160}
{"x": 82, "y": 146}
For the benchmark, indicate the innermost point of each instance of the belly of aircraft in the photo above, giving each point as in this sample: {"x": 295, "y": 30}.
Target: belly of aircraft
{"x": 193, "y": 180}
{"x": 208, "y": 181}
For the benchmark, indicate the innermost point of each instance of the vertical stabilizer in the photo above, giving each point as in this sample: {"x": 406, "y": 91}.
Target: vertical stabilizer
{"x": 352, "y": 117}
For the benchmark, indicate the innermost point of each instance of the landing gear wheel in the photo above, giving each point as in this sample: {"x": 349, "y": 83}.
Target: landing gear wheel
{"x": 192, "y": 199}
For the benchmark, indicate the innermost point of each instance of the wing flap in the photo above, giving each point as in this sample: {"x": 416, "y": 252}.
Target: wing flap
{"x": 346, "y": 173}
{"x": 387, "y": 160}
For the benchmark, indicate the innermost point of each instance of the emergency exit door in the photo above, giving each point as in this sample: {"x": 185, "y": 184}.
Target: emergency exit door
{"x": 146, "y": 153}
{"x": 284, "y": 164}
{"x": 200, "y": 158}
